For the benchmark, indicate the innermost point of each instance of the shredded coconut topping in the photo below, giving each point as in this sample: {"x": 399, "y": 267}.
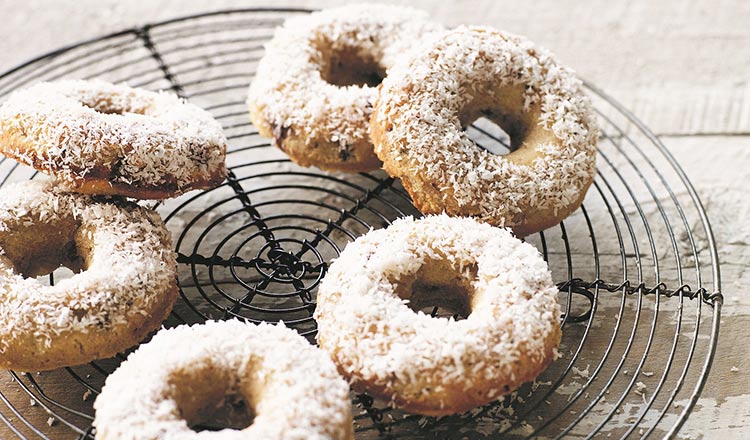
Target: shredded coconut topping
{"x": 294, "y": 388}
{"x": 131, "y": 271}
{"x": 74, "y": 129}
{"x": 290, "y": 88}
{"x": 381, "y": 344}
{"x": 421, "y": 102}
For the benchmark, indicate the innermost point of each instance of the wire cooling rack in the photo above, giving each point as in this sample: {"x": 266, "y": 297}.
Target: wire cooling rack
{"x": 636, "y": 266}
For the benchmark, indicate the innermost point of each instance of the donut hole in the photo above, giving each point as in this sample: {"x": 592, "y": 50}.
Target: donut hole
{"x": 489, "y": 136}
{"x": 350, "y": 67}
{"x": 439, "y": 290}
{"x": 230, "y": 412}
{"x": 110, "y": 107}
{"x": 208, "y": 401}
{"x": 495, "y": 131}
{"x": 498, "y": 121}
{"x": 39, "y": 249}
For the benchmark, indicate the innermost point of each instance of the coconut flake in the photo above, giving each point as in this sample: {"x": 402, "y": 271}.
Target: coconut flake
{"x": 297, "y": 393}
{"x": 419, "y": 109}
{"x": 289, "y": 90}
{"x": 379, "y": 343}
{"x": 76, "y": 128}
{"x": 132, "y": 270}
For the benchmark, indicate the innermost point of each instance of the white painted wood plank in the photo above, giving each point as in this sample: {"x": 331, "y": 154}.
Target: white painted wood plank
{"x": 681, "y": 66}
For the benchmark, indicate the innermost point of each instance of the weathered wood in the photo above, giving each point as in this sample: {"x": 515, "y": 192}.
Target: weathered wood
{"x": 682, "y": 67}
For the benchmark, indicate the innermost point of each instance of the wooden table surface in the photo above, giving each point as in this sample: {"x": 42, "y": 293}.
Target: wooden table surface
{"x": 682, "y": 67}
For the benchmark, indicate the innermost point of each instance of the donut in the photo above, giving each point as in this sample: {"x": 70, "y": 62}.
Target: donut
{"x": 314, "y": 88}
{"x": 101, "y": 138}
{"x": 441, "y": 87}
{"x": 186, "y": 373}
{"x": 125, "y": 285}
{"x": 433, "y": 365}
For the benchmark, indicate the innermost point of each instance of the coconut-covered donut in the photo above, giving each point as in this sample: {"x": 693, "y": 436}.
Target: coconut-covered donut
{"x": 418, "y": 123}
{"x": 101, "y": 138}
{"x": 433, "y": 365}
{"x": 125, "y": 286}
{"x": 186, "y": 373}
{"x": 314, "y": 88}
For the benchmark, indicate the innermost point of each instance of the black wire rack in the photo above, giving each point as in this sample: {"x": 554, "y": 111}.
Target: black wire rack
{"x": 636, "y": 265}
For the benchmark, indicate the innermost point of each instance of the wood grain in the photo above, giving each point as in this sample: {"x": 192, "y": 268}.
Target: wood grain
{"x": 681, "y": 67}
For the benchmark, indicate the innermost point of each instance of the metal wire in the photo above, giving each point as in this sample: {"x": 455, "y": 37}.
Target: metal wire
{"x": 632, "y": 264}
